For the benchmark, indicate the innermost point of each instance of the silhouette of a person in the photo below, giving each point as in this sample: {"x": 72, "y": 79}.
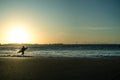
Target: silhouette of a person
{"x": 23, "y": 49}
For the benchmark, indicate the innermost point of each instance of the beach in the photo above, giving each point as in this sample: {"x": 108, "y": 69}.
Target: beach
{"x": 33, "y": 68}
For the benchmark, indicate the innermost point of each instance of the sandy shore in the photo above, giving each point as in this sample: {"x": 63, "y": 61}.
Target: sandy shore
{"x": 30, "y": 68}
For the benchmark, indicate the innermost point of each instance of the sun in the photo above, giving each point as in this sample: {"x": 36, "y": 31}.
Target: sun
{"x": 17, "y": 35}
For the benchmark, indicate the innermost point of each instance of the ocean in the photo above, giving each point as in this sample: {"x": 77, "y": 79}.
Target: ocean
{"x": 63, "y": 50}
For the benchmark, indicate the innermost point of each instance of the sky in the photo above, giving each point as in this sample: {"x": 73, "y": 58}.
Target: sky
{"x": 62, "y": 21}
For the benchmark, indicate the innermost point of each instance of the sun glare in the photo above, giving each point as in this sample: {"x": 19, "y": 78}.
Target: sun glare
{"x": 17, "y": 35}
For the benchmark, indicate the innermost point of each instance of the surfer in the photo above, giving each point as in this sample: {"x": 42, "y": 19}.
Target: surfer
{"x": 22, "y": 50}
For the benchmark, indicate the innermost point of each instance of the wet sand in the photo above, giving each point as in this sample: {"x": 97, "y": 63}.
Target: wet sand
{"x": 31, "y": 68}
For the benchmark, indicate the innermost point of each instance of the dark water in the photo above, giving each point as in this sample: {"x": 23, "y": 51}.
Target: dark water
{"x": 75, "y": 51}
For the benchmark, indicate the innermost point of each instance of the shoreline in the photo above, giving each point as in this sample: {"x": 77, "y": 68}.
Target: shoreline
{"x": 32, "y": 56}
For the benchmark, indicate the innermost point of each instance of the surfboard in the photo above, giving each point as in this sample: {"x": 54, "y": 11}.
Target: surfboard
{"x": 21, "y": 50}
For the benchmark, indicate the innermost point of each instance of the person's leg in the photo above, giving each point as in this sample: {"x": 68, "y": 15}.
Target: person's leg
{"x": 22, "y": 52}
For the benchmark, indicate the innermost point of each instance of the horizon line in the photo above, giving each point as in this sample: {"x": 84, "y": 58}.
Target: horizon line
{"x": 60, "y": 44}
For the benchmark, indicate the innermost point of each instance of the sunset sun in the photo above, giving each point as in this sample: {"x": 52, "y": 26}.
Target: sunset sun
{"x": 18, "y": 35}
